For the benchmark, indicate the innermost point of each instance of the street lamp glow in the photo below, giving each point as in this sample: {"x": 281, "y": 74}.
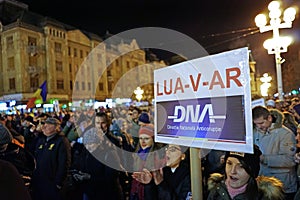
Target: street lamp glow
{"x": 277, "y": 44}
{"x": 138, "y": 93}
{"x": 281, "y": 42}
{"x": 274, "y": 5}
{"x": 289, "y": 14}
{"x": 264, "y": 87}
{"x": 261, "y": 20}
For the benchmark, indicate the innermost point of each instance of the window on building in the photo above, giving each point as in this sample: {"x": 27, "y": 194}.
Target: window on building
{"x": 89, "y": 86}
{"x": 77, "y": 85}
{"x": 81, "y": 54}
{"x": 83, "y": 85}
{"x": 88, "y": 70}
{"x": 71, "y": 85}
{"x": 128, "y": 64}
{"x": 60, "y": 84}
{"x": 101, "y": 86}
{"x": 75, "y": 52}
{"x": 59, "y": 66}
{"x": 69, "y": 51}
{"x": 32, "y": 41}
{"x": 32, "y": 61}
{"x": 57, "y": 47}
{"x": 110, "y": 86}
{"x": 12, "y": 84}
{"x": 10, "y": 42}
{"x": 70, "y": 67}
{"x": 34, "y": 83}
{"x": 11, "y": 63}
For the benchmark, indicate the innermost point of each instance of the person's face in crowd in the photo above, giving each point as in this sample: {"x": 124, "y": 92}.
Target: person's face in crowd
{"x": 101, "y": 123}
{"x": 72, "y": 118}
{"x": 236, "y": 174}
{"x": 49, "y": 129}
{"x": 174, "y": 156}
{"x": 145, "y": 141}
{"x": 129, "y": 115}
{"x": 298, "y": 138}
{"x": 27, "y": 123}
{"x": 9, "y": 117}
{"x": 278, "y": 105}
{"x": 263, "y": 124}
{"x": 135, "y": 114}
{"x": 83, "y": 125}
{"x": 124, "y": 127}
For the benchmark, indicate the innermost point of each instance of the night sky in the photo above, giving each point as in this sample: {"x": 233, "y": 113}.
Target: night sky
{"x": 210, "y": 22}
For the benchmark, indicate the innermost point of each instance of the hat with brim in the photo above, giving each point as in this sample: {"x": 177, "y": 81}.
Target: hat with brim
{"x": 52, "y": 120}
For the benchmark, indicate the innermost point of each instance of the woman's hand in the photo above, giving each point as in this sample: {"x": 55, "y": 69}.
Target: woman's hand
{"x": 158, "y": 176}
{"x": 144, "y": 177}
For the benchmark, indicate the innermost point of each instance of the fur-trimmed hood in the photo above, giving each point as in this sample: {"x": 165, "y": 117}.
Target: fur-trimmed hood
{"x": 277, "y": 118}
{"x": 269, "y": 188}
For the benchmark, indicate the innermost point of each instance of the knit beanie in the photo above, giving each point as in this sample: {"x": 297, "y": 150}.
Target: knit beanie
{"x": 250, "y": 162}
{"x": 147, "y": 129}
{"x": 5, "y": 135}
{"x": 144, "y": 117}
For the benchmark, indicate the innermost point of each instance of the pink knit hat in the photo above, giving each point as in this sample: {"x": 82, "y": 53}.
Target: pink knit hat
{"x": 147, "y": 129}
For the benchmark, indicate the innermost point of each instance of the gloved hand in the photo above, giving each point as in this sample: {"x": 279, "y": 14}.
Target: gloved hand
{"x": 81, "y": 176}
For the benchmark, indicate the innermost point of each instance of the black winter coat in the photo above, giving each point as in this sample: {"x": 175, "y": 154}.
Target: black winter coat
{"x": 175, "y": 186}
{"x": 53, "y": 160}
{"x": 104, "y": 182}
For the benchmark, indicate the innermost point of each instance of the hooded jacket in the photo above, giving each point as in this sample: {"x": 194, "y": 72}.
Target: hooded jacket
{"x": 269, "y": 188}
{"x": 278, "y": 146}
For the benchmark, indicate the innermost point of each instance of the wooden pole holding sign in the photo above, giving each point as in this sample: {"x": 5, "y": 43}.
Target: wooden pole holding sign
{"x": 196, "y": 174}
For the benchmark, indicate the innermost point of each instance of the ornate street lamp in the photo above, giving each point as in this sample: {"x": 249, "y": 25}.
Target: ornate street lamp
{"x": 277, "y": 44}
{"x": 264, "y": 87}
{"x": 138, "y": 93}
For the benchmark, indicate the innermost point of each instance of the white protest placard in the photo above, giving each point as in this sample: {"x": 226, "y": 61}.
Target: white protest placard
{"x": 205, "y": 102}
{"x": 258, "y": 102}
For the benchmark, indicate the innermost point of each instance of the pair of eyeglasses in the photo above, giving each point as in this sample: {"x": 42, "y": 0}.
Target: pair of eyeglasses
{"x": 172, "y": 149}
{"x": 144, "y": 138}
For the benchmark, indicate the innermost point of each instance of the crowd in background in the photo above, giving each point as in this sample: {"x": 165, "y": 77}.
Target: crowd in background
{"x": 64, "y": 156}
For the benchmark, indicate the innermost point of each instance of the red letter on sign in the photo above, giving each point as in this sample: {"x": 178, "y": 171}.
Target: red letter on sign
{"x": 234, "y": 77}
{"x": 157, "y": 90}
{"x": 216, "y": 80}
{"x": 178, "y": 86}
{"x": 195, "y": 85}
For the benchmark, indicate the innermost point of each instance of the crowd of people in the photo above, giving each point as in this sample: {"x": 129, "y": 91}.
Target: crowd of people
{"x": 110, "y": 153}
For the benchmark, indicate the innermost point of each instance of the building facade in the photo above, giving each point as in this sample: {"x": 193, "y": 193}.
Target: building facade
{"x": 77, "y": 65}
